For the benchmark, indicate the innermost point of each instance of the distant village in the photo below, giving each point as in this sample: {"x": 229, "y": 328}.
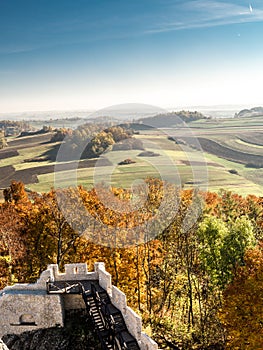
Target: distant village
{"x": 12, "y": 128}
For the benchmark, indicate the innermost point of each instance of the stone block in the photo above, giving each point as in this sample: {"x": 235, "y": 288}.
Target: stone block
{"x": 118, "y": 299}
{"x": 148, "y": 343}
{"x": 133, "y": 323}
{"x": 29, "y": 311}
{"x": 105, "y": 280}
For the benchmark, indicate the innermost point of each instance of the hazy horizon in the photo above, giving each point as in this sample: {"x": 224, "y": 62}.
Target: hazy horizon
{"x": 216, "y": 111}
{"x": 85, "y": 55}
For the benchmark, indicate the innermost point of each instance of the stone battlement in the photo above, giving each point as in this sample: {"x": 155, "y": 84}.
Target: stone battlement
{"x": 26, "y": 307}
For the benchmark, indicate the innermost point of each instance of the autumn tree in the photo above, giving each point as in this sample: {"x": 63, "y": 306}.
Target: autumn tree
{"x": 229, "y": 206}
{"x": 172, "y": 256}
{"x": 60, "y": 134}
{"x": 12, "y": 247}
{"x": 184, "y": 308}
{"x": 53, "y": 227}
{"x": 242, "y": 311}
{"x": 16, "y": 193}
{"x": 3, "y": 142}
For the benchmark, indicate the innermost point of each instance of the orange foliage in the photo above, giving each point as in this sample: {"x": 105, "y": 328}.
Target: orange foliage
{"x": 242, "y": 312}
{"x": 153, "y": 259}
{"x": 12, "y": 248}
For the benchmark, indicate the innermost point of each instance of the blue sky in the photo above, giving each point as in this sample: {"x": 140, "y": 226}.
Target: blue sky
{"x": 89, "y": 54}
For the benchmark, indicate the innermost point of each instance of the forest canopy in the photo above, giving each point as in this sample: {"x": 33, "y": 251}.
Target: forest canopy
{"x": 197, "y": 285}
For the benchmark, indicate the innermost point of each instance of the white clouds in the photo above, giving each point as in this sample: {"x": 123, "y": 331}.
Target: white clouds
{"x": 206, "y": 13}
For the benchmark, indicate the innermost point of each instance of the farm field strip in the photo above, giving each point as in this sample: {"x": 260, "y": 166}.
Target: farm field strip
{"x": 253, "y": 139}
{"x": 229, "y": 153}
{"x": 26, "y": 151}
{"x": 252, "y": 145}
{"x": 249, "y": 181}
{"x": 180, "y": 175}
{"x": 176, "y": 162}
{"x": 125, "y": 175}
{"x": 229, "y": 122}
{"x": 29, "y": 141}
{"x": 244, "y": 147}
{"x": 158, "y": 142}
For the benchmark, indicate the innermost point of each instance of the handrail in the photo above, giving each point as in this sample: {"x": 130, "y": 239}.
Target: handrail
{"x": 110, "y": 327}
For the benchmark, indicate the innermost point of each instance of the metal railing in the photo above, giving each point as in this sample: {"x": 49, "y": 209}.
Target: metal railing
{"x": 108, "y": 320}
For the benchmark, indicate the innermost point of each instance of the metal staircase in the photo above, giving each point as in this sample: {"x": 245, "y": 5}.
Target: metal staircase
{"x": 97, "y": 319}
{"x": 107, "y": 320}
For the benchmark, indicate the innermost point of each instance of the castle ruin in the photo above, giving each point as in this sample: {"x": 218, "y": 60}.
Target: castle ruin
{"x": 27, "y": 307}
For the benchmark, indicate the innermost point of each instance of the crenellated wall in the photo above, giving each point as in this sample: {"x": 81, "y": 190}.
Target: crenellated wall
{"x": 118, "y": 299}
{"x": 26, "y": 307}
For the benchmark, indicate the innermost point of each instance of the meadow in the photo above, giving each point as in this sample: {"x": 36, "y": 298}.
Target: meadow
{"x": 211, "y": 154}
{"x": 173, "y": 280}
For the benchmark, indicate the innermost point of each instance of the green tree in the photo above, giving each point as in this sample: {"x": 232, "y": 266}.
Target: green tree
{"x": 212, "y": 233}
{"x": 222, "y": 246}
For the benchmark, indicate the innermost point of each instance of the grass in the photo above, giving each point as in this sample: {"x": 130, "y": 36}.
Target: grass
{"x": 246, "y": 182}
{"x": 176, "y": 163}
{"x": 228, "y": 123}
{"x": 26, "y": 153}
{"x": 249, "y": 145}
{"x": 243, "y": 146}
{"x": 213, "y": 177}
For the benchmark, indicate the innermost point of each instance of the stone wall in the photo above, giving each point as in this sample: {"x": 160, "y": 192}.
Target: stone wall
{"x": 73, "y": 272}
{"x": 118, "y": 299}
{"x": 26, "y": 307}
{"x": 79, "y": 272}
{"x": 24, "y": 312}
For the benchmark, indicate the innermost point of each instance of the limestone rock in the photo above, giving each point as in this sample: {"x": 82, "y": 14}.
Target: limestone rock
{"x": 3, "y": 346}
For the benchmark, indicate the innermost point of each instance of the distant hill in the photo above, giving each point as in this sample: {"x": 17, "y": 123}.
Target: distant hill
{"x": 253, "y": 112}
{"x": 126, "y": 112}
{"x": 172, "y": 118}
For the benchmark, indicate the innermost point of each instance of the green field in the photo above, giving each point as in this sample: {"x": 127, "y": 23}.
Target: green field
{"x": 228, "y": 146}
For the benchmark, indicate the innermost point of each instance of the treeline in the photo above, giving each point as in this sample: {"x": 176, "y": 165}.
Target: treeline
{"x": 13, "y": 123}
{"x": 171, "y": 119}
{"x": 45, "y": 129}
{"x": 91, "y": 140}
{"x": 191, "y": 264}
